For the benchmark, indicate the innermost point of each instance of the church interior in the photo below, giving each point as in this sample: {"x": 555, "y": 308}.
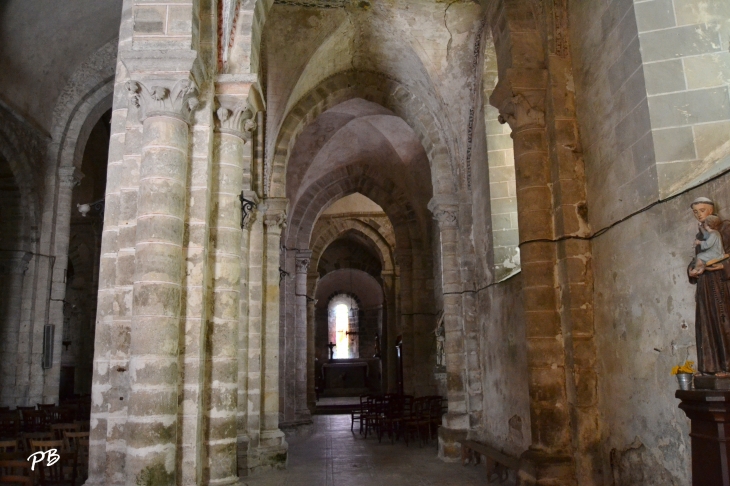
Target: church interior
{"x": 234, "y": 233}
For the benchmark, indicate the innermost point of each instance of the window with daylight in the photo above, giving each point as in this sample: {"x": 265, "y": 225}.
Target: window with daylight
{"x": 342, "y": 326}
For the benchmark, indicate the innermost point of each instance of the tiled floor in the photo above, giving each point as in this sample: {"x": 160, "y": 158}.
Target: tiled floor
{"x": 334, "y": 456}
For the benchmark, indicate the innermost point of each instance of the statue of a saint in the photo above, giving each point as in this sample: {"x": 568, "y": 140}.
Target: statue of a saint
{"x": 440, "y": 334}
{"x": 711, "y": 274}
{"x": 332, "y": 350}
{"x": 377, "y": 346}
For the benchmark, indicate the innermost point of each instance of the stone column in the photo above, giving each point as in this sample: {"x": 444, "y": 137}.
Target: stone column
{"x": 13, "y": 265}
{"x": 405, "y": 264}
{"x": 303, "y": 258}
{"x": 456, "y": 421}
{"x": 155, "y": 334}
{"x": 387, "y": 340}
{"x": 311, "y": 325}
{"x": 253, "y": 352}
{"x": 272, "y": 446}
{"x": 225, "y": 243}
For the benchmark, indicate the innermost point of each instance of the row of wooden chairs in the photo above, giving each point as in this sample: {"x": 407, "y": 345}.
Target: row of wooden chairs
{"x": 72, "y": 450}
{"x": 399, "y": 416}
{"x": 14, "y": 422}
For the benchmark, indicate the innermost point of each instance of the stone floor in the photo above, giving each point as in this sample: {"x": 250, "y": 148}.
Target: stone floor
{"x": 334, "y": 456}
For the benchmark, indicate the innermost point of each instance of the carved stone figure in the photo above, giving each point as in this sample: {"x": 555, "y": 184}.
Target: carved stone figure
{"x": 440, "y": 334}
{"x": 332, "y": 350}
{"x": 712, "y": 317}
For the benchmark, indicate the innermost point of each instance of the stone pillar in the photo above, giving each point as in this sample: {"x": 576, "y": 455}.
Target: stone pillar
{"x": 155, "y": 334}
{"x": 311, "y": 326}
{"x": 253, "y": 352}
{"x": 405, "y": 317}
{"x": 272, "y": 446}
{"x": 13, "y": 265}
{"x": 387, "y": 339}
{"x": 303, "y": 258}
{"x": 456, "y": 421}
{"x": 225, "y": 243}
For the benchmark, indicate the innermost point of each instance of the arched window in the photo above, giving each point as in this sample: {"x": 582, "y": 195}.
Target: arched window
{"x": 344, "y": 327}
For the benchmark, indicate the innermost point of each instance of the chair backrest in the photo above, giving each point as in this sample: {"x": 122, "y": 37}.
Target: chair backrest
{"x": 72, "y": 440}
{"x": 44, "y": 445}
{"x": 46, "y": 406}
{"x": 84, "y": 425}
{"x": 9, "y": 425}
{"x": 35, "y": 421}
{"x": 15, "y": 472}
{"x": 24, "y": 409}
{"x": 62, "y": 472}
{"x": 10, "y": 445}
{"x": 5, "y": 409}
{"x": 59, "y": 429}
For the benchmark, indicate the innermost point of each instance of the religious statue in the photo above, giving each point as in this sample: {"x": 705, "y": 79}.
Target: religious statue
{"x": 710, "y": 271}
{"x": 332, "y": 350}
{"x": 377, "y": 346}
{"x": 440, "y": 334}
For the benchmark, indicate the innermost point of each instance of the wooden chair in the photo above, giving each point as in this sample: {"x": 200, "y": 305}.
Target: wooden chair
{"x": 24, "y": 409}
{"x": 35, "y": 421}
{"x": 44, "y": 445}
{"x": 4, "y": 409}
{"x": 16, "y": 472}
{"x": 27, "y": 437}
{"x": 58, "y": 429}
{"x": 357, "y": 415}
{"x": 62, "y": 473}
{"x": 79, "y": 442}
{"x": 417, "y": 420}
{"x": 84, "y": 425}
{"x": 46, "y": 406}
{"x": 9, "y": 425}
{"x": 10, "y": 445}
{"x": 61, "y": 415}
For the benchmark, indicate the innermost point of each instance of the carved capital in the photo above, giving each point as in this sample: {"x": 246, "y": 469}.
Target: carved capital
{"x": 238, "y": 120}
{"x": 70, "y": 176}
{"x": 518, "y": 112}
{"x": 275, "y": 221}
{"x": 178, "y": 100}
{"x": 445, "y": 210}
{"x": 303, "y": 259}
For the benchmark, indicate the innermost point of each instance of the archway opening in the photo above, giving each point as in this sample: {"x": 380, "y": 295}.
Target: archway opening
{"x": 84, "y": 253}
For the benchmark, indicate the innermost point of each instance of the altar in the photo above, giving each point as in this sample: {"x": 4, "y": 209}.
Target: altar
{"x": 350, "y": 377}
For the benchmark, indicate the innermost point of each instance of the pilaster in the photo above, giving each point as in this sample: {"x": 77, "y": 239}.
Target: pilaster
{"x": 445, "y": 211}
{"x": 303, "y": 258}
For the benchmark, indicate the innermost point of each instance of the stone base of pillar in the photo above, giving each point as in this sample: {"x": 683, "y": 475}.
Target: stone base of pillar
{"x": 271, "y": 452}
{"x": 449, "y": 444}
{"x": 242, "y": 443}
{"x": 540, "y": 468}
{"x": 297, "y": 428}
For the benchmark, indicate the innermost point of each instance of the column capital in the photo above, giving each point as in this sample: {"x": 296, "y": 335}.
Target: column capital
{"x": 303, "y": 258}
{"x": 175, "y": 98}
{"x": 274, "y": 211}
{"x": 445, "y": 210}
{"x": 520, "y": 98}
{"x": 70, "y": 176}
{"x": 235, "y": 117}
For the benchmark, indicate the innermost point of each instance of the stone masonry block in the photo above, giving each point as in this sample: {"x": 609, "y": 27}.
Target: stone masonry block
{"x": 672, "y": 144}
{"x": 156, "y": 299}
{"x": 150, "y": 19}
{"x": 690, "y": 107}
{"x": 707, "y": 71}
{"x": 710, "y": 136}
{"x": 654, "y": 15}
{"x": 664, "y": 76}
{"x": 683, "y": 41}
